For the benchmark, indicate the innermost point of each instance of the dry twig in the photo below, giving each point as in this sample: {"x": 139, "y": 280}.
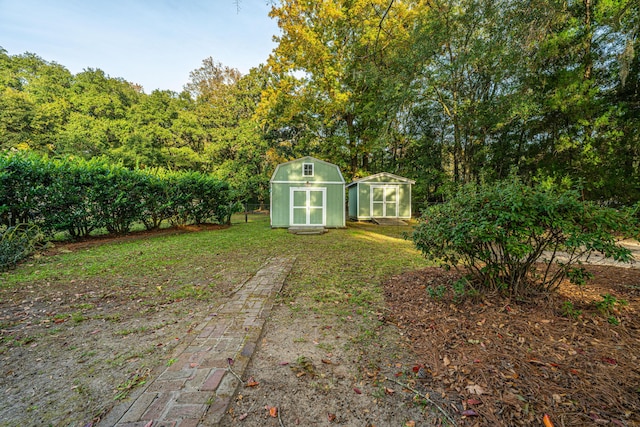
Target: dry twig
{"x": 422, "y": 395}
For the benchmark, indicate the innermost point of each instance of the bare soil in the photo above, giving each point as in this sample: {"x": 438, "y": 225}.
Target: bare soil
{"x": 71, "y": 349}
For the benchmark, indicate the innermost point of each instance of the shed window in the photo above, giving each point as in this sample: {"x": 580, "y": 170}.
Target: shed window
{"x": 307, "y": 169}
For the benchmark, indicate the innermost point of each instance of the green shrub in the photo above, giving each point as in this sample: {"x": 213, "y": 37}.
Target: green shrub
{"x": 197, "y": 198}
{"x": 23, "y": 181}
{"x": 16, "y": 243}
{"x": 80, "y": 196}
{"x": 68, "y": 207}
{"x": 155, "y": 202}
{"x": 511, "y": 237}
{"x": 116, "y": 198}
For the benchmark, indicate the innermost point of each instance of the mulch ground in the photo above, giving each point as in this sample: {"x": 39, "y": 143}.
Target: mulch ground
{"x": 509, "y": 363}
{"x": 90, "y": 241}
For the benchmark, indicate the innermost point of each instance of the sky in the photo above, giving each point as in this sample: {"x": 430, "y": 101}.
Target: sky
{"x": 154, "y": 43}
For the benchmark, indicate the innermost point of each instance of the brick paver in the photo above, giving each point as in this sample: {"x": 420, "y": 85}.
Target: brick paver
{"x": 197, "y": 388}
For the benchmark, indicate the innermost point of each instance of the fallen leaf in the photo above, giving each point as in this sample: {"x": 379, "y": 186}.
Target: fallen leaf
{"x": 446, "y": 361}
{"x": 389, "y": 391}
{"x": 149, "y": 424}
{"x": 252, "y": 382}
{"x": 283, "y": 363}
{"x": 609, "y": 360}
{"x": 473, "y": 402}
{"x": 410, "y": 423}
{"x": 193, "y": 365}
{"x": 469, "y": 413}
{"x": 273, "y": 411}
{"x": 546, "y": 420}
{"x": 357, "y": 390}
{"x": 475, "y": 389}
{"x": 243, "y": 416}
{"x": 332, "y": 417}
{"x": 230, "y": 361}
{"x": 326, "y": 361}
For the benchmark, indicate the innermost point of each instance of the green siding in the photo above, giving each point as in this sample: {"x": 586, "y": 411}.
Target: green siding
{"x": 325, "y": 176}
{"x": 353, "y": 202}
{"x": 360, "y": 196}
{"x": 292, "y": 171}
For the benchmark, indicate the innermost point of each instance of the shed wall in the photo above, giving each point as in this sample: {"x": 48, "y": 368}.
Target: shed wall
{"x": 364, "y": 202}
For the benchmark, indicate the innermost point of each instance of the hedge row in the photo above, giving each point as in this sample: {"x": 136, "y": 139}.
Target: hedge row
{"x": 81, "y": 196}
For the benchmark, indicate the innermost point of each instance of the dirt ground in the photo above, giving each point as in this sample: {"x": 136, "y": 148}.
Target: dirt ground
{"x": 509, "y": 362}
{"x": 70, "y": 350}
{"x": 495, "y": 362}
{"x": 422, "y": 361}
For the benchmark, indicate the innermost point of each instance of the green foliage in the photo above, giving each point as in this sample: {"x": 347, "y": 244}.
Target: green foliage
{"x": 16, "y": 243}
{"x": 80, "y": 196}
{"x": 196, "y": 197}
{"x": 436, "y": 292}
{"x": 499, "y": 232}
{"x": 608, "y": 303}
{"x": 568, "y": 310}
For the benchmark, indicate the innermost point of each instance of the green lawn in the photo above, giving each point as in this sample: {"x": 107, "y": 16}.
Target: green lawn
{"x": 334, "y": 272}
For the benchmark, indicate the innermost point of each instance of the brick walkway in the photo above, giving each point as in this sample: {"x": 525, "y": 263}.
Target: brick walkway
{"x": 197, "y": 388}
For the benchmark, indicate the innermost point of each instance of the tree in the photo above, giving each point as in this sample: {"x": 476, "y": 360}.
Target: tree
{"x": 328, "y": 65}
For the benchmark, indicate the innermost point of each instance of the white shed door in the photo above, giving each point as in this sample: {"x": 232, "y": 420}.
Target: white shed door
{"x": 384, "y": 201}
{"x": 308, "y": 206}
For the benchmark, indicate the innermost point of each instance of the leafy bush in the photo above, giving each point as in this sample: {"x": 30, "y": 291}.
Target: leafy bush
{"x": 79, "y": 196}
{"x": 16, "y": 243}
{"x": 155, "y": 201}
{"x": 23, "y": 182}
{"x": 68, "y": 206}
{"x": 115, "y": 198}
{"x": 196, "y": 198}
{"x": 499, "y": 233}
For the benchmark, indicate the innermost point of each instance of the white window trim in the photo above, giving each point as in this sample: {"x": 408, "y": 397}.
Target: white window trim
{"x": 313, "y": 171}
{"x": 384, "y": 202}
{"x": 307, "y": 190}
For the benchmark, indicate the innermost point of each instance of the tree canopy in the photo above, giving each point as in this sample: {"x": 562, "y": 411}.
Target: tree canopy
{"x": 445, "y": 92}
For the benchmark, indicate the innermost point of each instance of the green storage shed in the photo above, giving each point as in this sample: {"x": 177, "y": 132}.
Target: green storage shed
{"x": 307, "y": 192}
{"x": 383, "y": 195}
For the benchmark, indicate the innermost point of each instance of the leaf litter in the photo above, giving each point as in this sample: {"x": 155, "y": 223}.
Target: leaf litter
{"x": 511, "y": 362}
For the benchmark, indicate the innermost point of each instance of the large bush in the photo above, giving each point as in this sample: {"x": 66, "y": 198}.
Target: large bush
{"x": 196, "y": 198}
{"x": 79, "y": 196}
{"x": 512, "y": 237}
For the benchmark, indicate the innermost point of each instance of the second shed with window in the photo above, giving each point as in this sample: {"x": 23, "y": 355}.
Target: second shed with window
{"x": 307, "y": 192}
{"x": 380, "y": 196}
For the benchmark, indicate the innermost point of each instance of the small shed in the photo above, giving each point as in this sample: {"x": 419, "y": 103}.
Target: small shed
{"x": 307, "y": 192}
{"x": 383, "y": 195}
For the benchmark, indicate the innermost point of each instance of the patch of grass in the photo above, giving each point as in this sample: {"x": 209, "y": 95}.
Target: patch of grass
{"x": 326, "y": 347}
{"x": 333, "y": 273}
{"x": 83, "y": 306}
{"x": 568, "y": 310}
{"x": 78, "y": 317}
{"x": 136, "y": 379}
{"x": 140, "y": 329}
